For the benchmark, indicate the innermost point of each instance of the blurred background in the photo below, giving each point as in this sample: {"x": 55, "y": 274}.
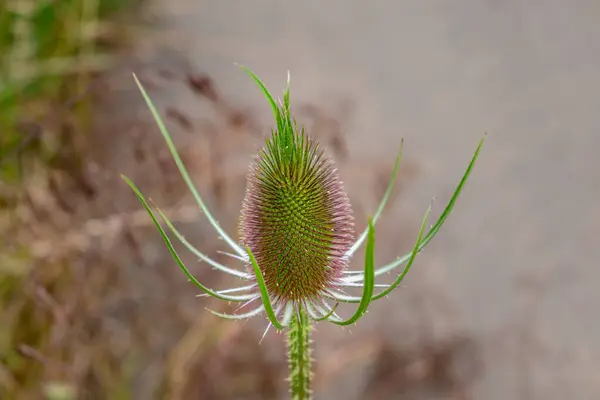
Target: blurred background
{"x": 503, "y": 304}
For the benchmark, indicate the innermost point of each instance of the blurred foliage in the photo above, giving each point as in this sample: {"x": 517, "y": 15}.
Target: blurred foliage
{"x": 49, "y": 52}
{"x": 50, "y": 49}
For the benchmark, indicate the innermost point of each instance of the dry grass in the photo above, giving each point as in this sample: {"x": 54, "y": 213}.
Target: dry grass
{"x": 51, "y": 50}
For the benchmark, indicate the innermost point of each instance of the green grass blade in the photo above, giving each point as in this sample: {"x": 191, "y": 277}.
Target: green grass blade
{"x": 172, "y": 250}
{"x": 184, "y": 172}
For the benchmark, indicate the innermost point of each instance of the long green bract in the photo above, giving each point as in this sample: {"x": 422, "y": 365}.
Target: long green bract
{"x": 172, "y": 250}
{"x": 264, "y": 294}
{"x": 197, "y": 252}
{"x": 183, "y": 170}
{"x": 382, "y": 204}
{"x": 431, "y": 233}
{"x": 369, "y": 283}
{"x": 413, "y": 255}
{"x": 410, "y": 261}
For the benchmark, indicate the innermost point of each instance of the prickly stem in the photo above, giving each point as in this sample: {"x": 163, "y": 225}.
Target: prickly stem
{"x": 298, "y": 340}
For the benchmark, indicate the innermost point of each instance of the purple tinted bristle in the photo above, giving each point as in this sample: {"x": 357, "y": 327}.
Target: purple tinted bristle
{"x": 296, "y": 218}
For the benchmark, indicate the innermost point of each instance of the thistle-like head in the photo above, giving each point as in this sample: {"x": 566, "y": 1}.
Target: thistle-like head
{"x": 296, "y": 217}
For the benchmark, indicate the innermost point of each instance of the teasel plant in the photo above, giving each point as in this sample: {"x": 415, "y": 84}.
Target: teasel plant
{"x": 297, "y": 238}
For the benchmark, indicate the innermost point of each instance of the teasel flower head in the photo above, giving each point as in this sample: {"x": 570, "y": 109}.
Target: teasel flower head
{"x": 296, "y": 217}
{"x": 296, "y": 230}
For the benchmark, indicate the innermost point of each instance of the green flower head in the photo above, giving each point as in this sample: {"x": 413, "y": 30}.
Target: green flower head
{"x": 296, "y": 230}
{"x": 296, "y": 217}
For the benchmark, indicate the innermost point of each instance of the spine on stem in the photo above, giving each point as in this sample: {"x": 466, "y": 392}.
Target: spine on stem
{"x": 298, "y": 339}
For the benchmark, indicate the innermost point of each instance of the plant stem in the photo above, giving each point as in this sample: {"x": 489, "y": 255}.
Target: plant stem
{"x": 299, "y": 356}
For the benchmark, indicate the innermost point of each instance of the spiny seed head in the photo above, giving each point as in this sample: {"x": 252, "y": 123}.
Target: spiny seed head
{"x": 296, "y": 217}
